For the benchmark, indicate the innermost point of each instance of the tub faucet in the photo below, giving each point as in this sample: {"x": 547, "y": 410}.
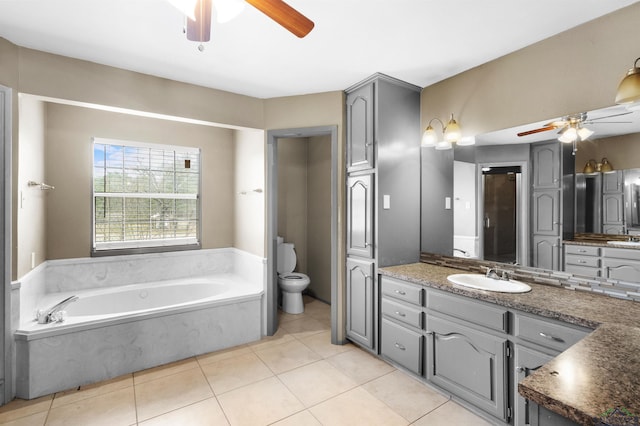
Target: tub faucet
{"x": 47, "y": 316}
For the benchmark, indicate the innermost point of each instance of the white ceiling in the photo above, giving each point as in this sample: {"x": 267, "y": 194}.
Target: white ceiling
{"x": 419, "y": 41}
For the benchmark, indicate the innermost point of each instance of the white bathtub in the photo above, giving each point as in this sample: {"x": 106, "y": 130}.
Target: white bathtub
{"x": 116, "y": 330}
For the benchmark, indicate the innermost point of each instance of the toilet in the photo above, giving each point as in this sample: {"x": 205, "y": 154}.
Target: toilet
{"x": 291, "y": 283}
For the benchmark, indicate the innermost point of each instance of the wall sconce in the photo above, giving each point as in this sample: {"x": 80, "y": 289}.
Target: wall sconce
{"x": 451, "y": 134}
{"x": 629, "y": 88}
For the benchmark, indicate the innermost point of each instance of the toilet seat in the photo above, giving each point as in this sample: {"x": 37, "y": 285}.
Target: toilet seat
{"x": 293, "y": 276}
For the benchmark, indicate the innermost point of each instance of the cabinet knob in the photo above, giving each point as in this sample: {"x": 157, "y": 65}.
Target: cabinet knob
{"x": 582, "y": 251}
{"x": 520, "y": 369}
{"x": 400, "y": 292}
{"x": 401, "y": 314}
{"x": 401, "y": 347}
{"x": 582, "y": 261}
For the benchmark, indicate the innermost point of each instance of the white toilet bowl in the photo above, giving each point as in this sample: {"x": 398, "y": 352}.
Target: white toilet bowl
{"x": 291, "y": 283}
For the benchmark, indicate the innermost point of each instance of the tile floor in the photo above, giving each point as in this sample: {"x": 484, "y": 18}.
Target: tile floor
{"x": 293, "y": 378}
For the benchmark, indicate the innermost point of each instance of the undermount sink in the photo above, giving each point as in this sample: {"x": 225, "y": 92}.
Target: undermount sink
{"x": 482, "y": 282}
{"x": 625, "y": 243}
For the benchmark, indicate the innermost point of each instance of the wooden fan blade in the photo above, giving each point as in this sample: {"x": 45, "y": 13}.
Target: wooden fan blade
{"x": 284, "y": 15}
{"x": 534, "y": 131}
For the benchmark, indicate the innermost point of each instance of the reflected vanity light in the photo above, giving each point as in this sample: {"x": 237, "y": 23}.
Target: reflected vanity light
{"x": 451, "y": 133}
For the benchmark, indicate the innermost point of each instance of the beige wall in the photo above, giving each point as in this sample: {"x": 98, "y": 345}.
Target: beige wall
{"x": 249, "y": 215}
{"x": 319, "y": 216}
{"x": 623, "y": 152}
{"x": 577, "y": 70}
{"x": 68, "y": 167}
{"x": 292, "y": 196}
{"x": 32, "y": 208}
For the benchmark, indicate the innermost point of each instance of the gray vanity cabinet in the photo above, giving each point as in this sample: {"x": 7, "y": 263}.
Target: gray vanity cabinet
{"x": 582, "y": 260}
{"x": 552, "y": 200}
{"x": 360, "y": 128}
{"x": 613, "y": 213}
{"x": 621, "y": 263}
{"x": 525, "y": 362}
{"x": 612, "y": 182}
{"x": 361, "y": 295}
{"x": 360, "y": 205}
{"x": 402, "y": 323}
{"x": 383, "y": 192}
{"x": 469, "y": 363}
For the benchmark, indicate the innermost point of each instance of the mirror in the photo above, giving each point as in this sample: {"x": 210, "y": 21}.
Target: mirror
{"x": 615, "y": 140}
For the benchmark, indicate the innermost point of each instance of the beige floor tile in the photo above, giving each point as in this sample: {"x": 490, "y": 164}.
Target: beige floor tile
{"x": 356, "y": 407}
{"x": 281, "y": 336}
{"x": 203, "y": 413}
{"x": 164, "y": 370}
{"x": 223, "y": 354}
{"x": 451, "y": 414}
{"x": 360, "y": 366}
{"x": 287, "y": 356}
{"x": 169, "y": 393}
{"x": 286, "y": 317}
{"x": 37, "y": 419}
{"x": 21, "y": 408}
{"x": 233, "y": 373}
{"x": 405, "y": 395}
{"x": 113, "y": 408}
{"x": 318, "y": 310}
{"x": 321, "y": 344}
{"x": 303, "y": 418}
{"x": 304, "y": 327}
{"x": 260, "y": 403}
{"x": 89, "y": 391}
{"x": 316, "y": 382}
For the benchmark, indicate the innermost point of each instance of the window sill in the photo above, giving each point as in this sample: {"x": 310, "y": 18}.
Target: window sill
{"x": 143, "y": 250}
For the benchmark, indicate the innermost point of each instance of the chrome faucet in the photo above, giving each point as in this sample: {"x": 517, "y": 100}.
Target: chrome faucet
{"x": 52, "y": 314}
{"x": 496, "y": 274}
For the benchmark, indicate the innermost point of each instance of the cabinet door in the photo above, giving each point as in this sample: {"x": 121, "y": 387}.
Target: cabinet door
{"x": 546, "y": 165}
{"x": 401, "y": 345}
{"x": 525, "y": 362}
{"x": 618, "y": 269}
{"x": 546, "y": 252}
{"x": 612, "y": 182}
{"x": 468, "y": 363}
{"x": 546, "y": 212}
{"x": 360, "y": 299}
{"x": 612, "y": 209}
{"x": 360, "y": 128}
{"x": 360, "y": 215}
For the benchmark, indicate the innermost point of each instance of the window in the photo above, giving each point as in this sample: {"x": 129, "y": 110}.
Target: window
{"x": 144, "y": 195}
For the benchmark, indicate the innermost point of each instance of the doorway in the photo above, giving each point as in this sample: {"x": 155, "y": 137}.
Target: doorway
{"x": 502, "y": 213}
{"x": 273, "y": 138}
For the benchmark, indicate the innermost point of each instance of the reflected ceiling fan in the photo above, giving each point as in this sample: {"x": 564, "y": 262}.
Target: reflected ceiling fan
{"x": 198, "y": 13}
{"x": 572, "y": 125}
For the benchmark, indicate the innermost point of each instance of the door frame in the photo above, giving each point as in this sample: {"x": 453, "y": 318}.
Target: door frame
{"x": 6, "y": 353}
{"x": 522, "y": 209}
{"x": 272, "y": 224}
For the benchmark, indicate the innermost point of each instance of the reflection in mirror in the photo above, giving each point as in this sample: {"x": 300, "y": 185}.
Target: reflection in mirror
{"x": 605, "y": 201}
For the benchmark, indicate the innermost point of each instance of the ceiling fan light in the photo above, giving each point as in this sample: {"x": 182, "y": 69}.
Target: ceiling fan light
{"x": 226, "y": 10}
{"x": 629, "y": 88}
{"x": 199, "y": 29}
{"x": 452, "y": 132}
{"x": 187, "y": 7}
{"x": 584, "y": 133}
{"x": 429, "y": 137}
{"x": 569, "y": 135}
{"x": 443, "y": 145}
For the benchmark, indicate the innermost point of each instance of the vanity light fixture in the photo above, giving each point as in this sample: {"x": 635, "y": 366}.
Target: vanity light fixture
{"x": 629, "y": 88}
{"x": 451, "y": 133}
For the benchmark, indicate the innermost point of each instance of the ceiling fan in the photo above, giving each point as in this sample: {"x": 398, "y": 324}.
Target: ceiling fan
{"x": 198, "y": 13}
{"x": 574, "y": 121}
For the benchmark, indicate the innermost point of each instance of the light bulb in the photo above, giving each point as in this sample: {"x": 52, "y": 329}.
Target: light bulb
{"x": 452, "y": 132}
{"x": 429, "y": 137}
{"x": 584, "y": 133}
{"x": 568, "y": 135}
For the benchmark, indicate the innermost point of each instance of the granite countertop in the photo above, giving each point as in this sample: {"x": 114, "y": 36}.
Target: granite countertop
{"x": 600, "y": 372}
{"x": 596, "y": 243}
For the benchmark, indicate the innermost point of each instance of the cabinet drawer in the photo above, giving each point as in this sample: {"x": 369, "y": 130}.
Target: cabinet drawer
{"x": 401, "y": 312}
{"x": 591, "y": 261}
{"x": 582, "y": 250}
{"x": 622, "y": 253}
{"x": 546, "y": 333}
{"x": 583, "y": 270}
{"x": 401, "y": 345}
{"x": 400, "y": 290}
{"x": 495, "y": 318}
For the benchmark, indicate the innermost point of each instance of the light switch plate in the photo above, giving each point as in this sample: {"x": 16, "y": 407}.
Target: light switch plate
{"x": 386, "y": 202}
{"x": 447, "y": 203}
